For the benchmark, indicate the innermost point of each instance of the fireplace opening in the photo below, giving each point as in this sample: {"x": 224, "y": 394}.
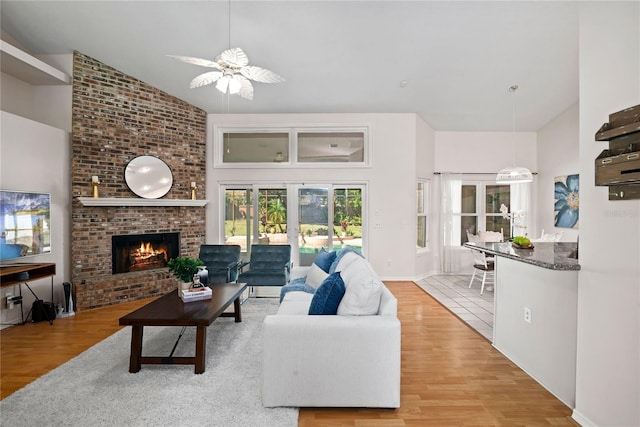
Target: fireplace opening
{"x": 137, "y": 252}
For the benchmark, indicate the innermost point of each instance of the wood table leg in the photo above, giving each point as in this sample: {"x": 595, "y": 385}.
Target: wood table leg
{"x": 201, "y": 344}
{"x": 236, "y": 309}
{"x": 136, "y": 348}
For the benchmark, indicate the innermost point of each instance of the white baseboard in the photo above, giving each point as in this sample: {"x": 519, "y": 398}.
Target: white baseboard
{"x": 515, "y": 360}
{"x": 578, "y": 417}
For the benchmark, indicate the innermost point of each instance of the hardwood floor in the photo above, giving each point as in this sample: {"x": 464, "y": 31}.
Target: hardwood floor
{"x": 451, "y": 375}
{"x": 31, "y": 350}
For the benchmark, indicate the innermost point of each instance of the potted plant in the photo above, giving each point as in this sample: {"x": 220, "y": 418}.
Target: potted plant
{"x": 184, "y": 267}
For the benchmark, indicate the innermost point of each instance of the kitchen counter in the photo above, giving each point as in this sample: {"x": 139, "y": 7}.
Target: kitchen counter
{"x": 554, "y": 256}
{"x": 536, "y": 311}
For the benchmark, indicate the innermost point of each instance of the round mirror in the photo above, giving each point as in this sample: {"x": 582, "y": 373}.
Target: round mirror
{"x": 148, "y": 177}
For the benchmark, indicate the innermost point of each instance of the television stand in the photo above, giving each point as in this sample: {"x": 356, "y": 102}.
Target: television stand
{"x": 20, "y": 273}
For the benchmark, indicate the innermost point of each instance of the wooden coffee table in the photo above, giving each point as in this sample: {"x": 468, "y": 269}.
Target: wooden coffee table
{"x": 169, "y": 310}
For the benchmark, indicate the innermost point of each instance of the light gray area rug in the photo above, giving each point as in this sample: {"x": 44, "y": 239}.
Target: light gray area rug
{"x": 96, "y": 388}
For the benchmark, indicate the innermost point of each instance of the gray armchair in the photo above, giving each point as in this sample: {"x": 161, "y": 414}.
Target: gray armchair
{"x": 269, "y": 265}
{"x": 222, "y": 262}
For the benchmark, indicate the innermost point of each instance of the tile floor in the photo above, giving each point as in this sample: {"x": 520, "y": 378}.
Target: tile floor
{"x": 453, "y": 292}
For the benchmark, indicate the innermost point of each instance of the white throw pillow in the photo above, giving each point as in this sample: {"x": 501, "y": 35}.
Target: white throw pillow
{"x": 315, "y": 276}
{"x": 363, "y": 290}
{"x": 346, "y": 260}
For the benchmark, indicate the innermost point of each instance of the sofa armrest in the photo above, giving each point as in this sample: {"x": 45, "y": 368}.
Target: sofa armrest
{"x": 332, "y": 361}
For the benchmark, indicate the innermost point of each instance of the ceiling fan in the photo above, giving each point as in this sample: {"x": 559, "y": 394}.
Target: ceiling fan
{"x": 234, "y": 74}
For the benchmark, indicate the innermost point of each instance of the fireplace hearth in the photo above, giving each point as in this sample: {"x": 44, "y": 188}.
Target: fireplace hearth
{"x": 138, "y": 252}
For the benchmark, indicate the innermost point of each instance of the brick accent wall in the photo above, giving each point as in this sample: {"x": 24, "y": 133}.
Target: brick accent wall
{"x": 115, "y": 119}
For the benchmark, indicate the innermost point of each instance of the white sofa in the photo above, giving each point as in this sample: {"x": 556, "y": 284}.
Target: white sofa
{"x": 331, "y": 360}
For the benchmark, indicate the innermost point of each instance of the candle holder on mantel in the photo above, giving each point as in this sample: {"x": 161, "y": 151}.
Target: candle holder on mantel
{"x": 193, "y": 190}
{"x": 95, "y": 183}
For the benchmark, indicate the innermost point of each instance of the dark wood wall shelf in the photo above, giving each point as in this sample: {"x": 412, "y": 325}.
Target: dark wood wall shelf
{"x": 618, "y": 167}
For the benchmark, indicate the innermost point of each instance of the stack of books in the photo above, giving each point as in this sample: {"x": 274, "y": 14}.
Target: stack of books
{"x": 195, "y": 294}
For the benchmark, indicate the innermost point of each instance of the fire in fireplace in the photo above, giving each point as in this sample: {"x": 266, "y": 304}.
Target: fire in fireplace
{"x": 137, "y": 252}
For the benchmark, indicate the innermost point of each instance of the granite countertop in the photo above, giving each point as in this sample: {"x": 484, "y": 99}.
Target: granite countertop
{"x": 554, "y": 256}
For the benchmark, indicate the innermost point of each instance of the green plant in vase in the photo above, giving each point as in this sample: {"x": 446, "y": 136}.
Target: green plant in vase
{"x": 184, "y": 267}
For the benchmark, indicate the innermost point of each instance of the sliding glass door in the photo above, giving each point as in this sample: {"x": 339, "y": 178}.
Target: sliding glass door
{"x": 328, "y": 217}
{"x": 309, "y": 217}
{"x": 255, "y": 214}
{"x": 313, "y": 223}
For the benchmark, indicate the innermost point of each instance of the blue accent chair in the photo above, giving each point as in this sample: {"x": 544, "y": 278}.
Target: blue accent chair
{"x": 269, "y": 265}
{"x": 222, "y": 262}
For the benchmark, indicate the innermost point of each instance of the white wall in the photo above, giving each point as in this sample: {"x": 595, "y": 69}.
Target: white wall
{"x": 390, "y": 180}
{"x": 558, "y": 155}
{"x": 608, "y": 362}
{"x": 37, "y": 157}
{"x": 483, "y": 152}
{"x": 426, "y": 262}
{"x": 48, "y": 104}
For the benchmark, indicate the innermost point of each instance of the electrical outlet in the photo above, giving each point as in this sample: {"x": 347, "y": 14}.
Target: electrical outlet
{"x": 527, "y": 315}
{"x": 12, "y": 300}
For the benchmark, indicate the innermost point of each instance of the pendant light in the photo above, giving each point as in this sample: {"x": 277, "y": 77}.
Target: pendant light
{"x": 514, "y": 174}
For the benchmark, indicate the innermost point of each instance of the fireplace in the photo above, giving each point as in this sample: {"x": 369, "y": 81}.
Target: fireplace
{"x": 138, "y": 252}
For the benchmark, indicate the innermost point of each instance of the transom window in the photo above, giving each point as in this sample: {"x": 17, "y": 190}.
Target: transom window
{"x": 322, "y": 147}
{"x": 253, "y": 147}
{"x": 290, "y": 147}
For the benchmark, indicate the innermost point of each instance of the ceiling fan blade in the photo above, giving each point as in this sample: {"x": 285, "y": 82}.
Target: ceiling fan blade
{"x": 205, "y": 79}
{"x": 246, "y": 88}
{"x": 196, "y": 61}
{"x": 260, "y": 74}
{"x": 234, "y": 57}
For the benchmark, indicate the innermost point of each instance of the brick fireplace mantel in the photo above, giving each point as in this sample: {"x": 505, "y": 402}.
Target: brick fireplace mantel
{"x": 121, "y": 201}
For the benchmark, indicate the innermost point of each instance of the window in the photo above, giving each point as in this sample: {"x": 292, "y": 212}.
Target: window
{"x": 422, "y": 205}
{"x": 495, "y": 196}
{"x": 338, "y": 147}
{"x": 281, "y": 147}
{"x": 257, "y": 147}
{"x": 480, "y": 209}
{"x": 469, "y": 212}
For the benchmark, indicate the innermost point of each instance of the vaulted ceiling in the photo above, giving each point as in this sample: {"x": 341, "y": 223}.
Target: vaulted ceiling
{"x": 457, "y": 58}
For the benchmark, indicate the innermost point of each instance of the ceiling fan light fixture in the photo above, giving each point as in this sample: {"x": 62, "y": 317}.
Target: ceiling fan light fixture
{"x": 222, "y": 84}
{"x": 234, "y": 85}
{"x": 234, "y": 73}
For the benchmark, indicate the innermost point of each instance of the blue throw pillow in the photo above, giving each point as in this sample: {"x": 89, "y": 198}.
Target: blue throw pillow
{"x": 328, "y": 295}
{"x": 324, "y": 259}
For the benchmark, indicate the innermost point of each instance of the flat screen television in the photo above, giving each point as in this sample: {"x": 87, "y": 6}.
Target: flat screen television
{"x": 25, "y": 220}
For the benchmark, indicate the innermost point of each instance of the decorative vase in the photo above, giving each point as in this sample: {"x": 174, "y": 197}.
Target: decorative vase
{"x": 203, "y": 273}
{"x": 183, "y": 286}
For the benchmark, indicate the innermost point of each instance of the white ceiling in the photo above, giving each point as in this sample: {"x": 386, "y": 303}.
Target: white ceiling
{"x": 459, "y": 58}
